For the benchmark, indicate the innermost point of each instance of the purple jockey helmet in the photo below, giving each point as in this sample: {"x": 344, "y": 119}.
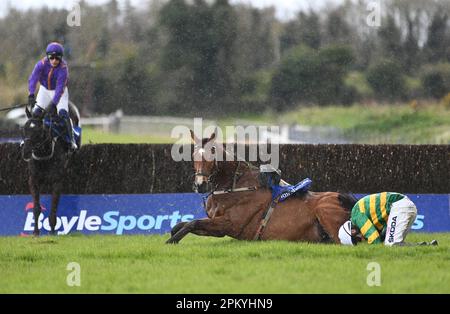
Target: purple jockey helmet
{"x": 55, "y": 49}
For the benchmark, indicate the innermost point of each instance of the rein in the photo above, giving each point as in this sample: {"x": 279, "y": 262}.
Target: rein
{"x": 45, "y": 157}
{"x": 13, "y": 107}
{"x": 236, "y": 177}
{"x": 48, "y": 139}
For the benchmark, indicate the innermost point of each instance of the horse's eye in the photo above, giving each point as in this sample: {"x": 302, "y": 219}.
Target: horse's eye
{"x": 213, "y": 150}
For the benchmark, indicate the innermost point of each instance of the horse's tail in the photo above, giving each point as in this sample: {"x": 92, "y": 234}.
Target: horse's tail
{"x": 347, "y": 200}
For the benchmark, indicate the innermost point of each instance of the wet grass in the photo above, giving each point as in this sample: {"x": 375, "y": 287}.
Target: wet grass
{"x": 373, "y": 124}
{"x": 395, "y": 124}
{"x": 144, "y": 264}
{"x": 93, "y": 136}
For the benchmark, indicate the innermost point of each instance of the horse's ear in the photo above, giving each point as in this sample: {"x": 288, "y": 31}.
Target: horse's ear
{"x": 28, "y": 113}
{"x": 194, "y": 138}
{"x": 213, "y": 136}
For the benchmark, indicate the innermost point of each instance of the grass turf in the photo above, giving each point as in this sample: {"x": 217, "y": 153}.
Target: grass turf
{"x": 386, "y": 124}
{"x": 93, "y": 136}
{"x": 371, "y": 124}
{"x": 144, "y": 264}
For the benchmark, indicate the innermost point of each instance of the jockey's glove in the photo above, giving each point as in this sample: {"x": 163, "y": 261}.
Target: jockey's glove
{"x": 52, "y": 108}
{"x": 31, "y": 100}
{"x": 52, "y": 105}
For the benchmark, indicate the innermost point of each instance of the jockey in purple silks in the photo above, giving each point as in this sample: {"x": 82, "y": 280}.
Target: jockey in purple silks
{"x": 52, "y": 73}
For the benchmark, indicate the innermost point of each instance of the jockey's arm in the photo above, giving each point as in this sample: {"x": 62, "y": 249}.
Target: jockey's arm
{"x": 61, "y": 83}
{"x": 34, "y": 77}
{"x": 366, "y": 227}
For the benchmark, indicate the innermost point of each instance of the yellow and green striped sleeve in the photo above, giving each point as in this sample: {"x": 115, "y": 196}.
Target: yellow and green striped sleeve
{"x": 366, "y": 227}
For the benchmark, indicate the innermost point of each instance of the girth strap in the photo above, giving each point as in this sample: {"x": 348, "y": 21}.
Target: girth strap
{"x": 265, "y": 218}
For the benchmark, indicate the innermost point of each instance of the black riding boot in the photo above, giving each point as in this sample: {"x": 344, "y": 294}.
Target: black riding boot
{"x": 68, "y": 122}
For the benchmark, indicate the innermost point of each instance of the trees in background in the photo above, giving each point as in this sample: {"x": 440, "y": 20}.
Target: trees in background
{"x": 200, "y": 55}
{"x": 312, "y": 76}
{"x": 210, "y": 57}
{"x": 386, "y": 79}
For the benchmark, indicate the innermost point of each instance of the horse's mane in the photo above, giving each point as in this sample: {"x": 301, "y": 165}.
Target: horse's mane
{"x": 347, "y": 200}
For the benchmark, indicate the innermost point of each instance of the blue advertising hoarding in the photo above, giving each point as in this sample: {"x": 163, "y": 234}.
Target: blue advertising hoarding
{"x": 155, "y": 213}
{"x": 113, "y": 214}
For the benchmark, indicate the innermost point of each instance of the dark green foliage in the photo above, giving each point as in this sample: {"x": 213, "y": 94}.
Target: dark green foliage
{"x": 390, "y": 39}
{"x": 437, "y": 45}
{"x": 386, "y": 79}
{"x": 200, "y": 57}
{"x": 305, "y": 30}
{"x": 306, "y": 75}
{"x": 337, "y": 29}
{"x": 436, "y": 81}
{"x": 200, "y": 54}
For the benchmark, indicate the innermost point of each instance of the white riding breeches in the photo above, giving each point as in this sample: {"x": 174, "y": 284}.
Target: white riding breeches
{"x": 45, "y": 96}
{"x": 402, "y": 216}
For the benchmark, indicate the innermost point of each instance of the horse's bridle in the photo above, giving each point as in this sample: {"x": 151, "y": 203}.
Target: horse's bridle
{"x": 210, "y": 178}
{"x": 48, "y": 138}
{"x": 236, "y": 176}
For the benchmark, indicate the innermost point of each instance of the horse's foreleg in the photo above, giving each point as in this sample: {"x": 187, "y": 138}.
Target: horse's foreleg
{"x": 181, "y": 225}
{"x": 217, "y": 227}
{"x": 52, "y": 219}
{"x": 36, "y": 203}
{"x": 177, "y": 228}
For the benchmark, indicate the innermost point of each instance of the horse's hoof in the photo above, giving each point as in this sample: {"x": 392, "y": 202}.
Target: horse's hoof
{"x": 171, "y": 241}
{"x": 434, "y": 242}
{"x": 52, "y": 233}
{"x": 36, "y": 234}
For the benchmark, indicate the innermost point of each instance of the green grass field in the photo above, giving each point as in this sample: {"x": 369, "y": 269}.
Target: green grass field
{"x": 93, "y": 136}
{"x": 374, "y": 124}
{"x": 144, "y": 264}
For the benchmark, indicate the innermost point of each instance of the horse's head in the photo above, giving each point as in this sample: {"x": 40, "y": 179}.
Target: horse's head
{"x": 36, "y": 137}
{"x": 205, "y": 162}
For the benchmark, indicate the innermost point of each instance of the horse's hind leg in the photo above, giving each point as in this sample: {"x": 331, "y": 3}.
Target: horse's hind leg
{"x": 217, "y": 227}
{"x": 36, "y": 203}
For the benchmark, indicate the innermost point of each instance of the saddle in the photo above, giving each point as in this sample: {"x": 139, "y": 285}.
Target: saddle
{"x": 270, "y": 177}
{"x": 57, "y": 128}
{"x": 288, "y": 190}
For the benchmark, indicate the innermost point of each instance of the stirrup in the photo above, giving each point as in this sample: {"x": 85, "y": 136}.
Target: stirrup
{"x": 73, "y": 146}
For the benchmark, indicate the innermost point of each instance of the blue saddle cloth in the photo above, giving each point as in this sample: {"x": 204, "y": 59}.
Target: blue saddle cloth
{"x": 58, "y": 127}
{"x": 285, "y": 191}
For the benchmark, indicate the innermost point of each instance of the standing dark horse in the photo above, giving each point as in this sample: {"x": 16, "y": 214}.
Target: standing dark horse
{"x": 47, "y": 157}
{"x": 236, "y": 205}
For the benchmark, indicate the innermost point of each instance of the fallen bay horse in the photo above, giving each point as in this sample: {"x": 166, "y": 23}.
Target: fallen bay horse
{"x": 237, "y": 202}
{"x": 47, "y": 157}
